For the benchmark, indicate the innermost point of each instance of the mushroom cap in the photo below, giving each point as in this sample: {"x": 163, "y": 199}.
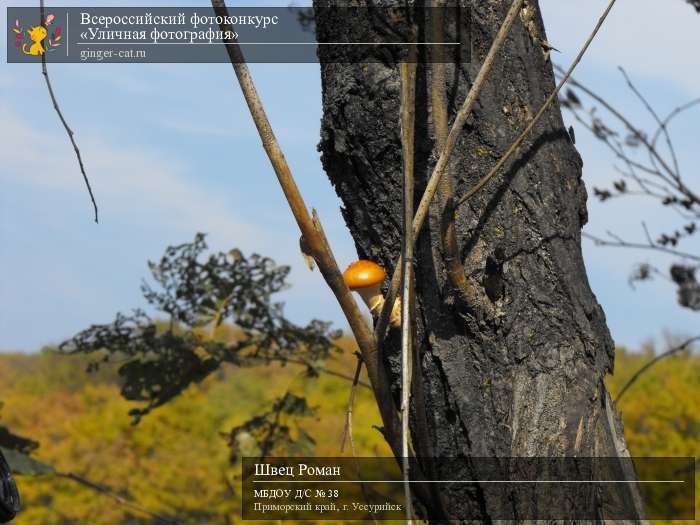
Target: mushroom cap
{"x": 362, "y": 274}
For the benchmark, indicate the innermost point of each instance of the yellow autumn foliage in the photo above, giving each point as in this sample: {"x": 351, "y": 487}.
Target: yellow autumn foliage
{"x": 175, "y": 462}
{"x": 661, "y": 410}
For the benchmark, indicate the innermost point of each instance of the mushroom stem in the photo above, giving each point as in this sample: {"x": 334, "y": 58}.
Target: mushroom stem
{"x": 374, "y": 300}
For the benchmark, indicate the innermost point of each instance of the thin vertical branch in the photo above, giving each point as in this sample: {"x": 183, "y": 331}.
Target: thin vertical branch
{"x": 319, "y": 249}
{"x": 69, "y": 131}
{"x": 408, "y": 114}
{"x": 441, "y": 166}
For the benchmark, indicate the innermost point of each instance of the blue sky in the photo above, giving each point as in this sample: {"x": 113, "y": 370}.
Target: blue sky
{"x": 171, "y": 150}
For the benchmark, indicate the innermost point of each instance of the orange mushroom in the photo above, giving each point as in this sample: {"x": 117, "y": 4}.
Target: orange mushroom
{"x": 366, "y": 278}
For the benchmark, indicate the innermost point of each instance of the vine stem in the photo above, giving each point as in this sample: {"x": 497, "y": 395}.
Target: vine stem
{"x": 445, "y": 154}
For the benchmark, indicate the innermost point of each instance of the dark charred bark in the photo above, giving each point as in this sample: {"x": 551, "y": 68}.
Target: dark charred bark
{"x": 520, "y": 371}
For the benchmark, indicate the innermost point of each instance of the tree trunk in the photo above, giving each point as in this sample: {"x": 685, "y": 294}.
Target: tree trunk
{"x": 517, "y": 371}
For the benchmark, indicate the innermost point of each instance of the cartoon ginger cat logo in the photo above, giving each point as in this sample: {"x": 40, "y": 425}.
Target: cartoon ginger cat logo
{"x": 37, "y": 35}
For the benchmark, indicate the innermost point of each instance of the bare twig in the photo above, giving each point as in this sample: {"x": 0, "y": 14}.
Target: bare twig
{"x": 651, "y": 363}
{"x": 666, "y": 189}
{"x": 315, "y": 239}
{"x": 666, "y": 175}
{"x": 445, "y": 154}
{"x": 323, "y": 369}
{"x": 526, "y": 132}
{"x": 646, "y": 232}
{"x": 673, "y": 114}
{"x": 102, "y": 489}
{"x": 347, "y": 429}
{"x": 407, "y": 116}
{"x": 662, "y": 126}
{"x": 438, "y": 100}
{"x": 45, "y": 72}
{"x": 617, "y": 242}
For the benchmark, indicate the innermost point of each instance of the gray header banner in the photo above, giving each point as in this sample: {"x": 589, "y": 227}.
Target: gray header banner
{"x": 264, "y": 34}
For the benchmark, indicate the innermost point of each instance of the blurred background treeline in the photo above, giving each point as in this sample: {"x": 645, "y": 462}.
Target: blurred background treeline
{"x": 176, "y": 461}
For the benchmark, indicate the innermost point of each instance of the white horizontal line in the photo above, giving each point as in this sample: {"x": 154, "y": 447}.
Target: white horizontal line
{"x": 464, "y": 481}
{"x": 269, "y": 43}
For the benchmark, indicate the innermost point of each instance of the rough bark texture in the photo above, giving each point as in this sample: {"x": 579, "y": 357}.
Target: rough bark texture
{"x": 520, "y": 372}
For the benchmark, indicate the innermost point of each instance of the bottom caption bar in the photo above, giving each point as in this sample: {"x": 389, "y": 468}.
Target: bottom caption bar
{"x": 470, "y": 488}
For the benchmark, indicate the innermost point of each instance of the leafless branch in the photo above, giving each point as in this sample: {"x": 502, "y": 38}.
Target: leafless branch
{"x": 323, "y": 369}
{"x": 663, "y": 190}
{"x": 673, "y": 114}
{"x": 659, "y": 179}
{"x": 69, "y": 131}
{"x": 618, "y": 242}
{"x": 662, "y": 127}
{"x": 660, "y": 167}
{"x": 651, "y": 363}
{"x": 110, "y": 493}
